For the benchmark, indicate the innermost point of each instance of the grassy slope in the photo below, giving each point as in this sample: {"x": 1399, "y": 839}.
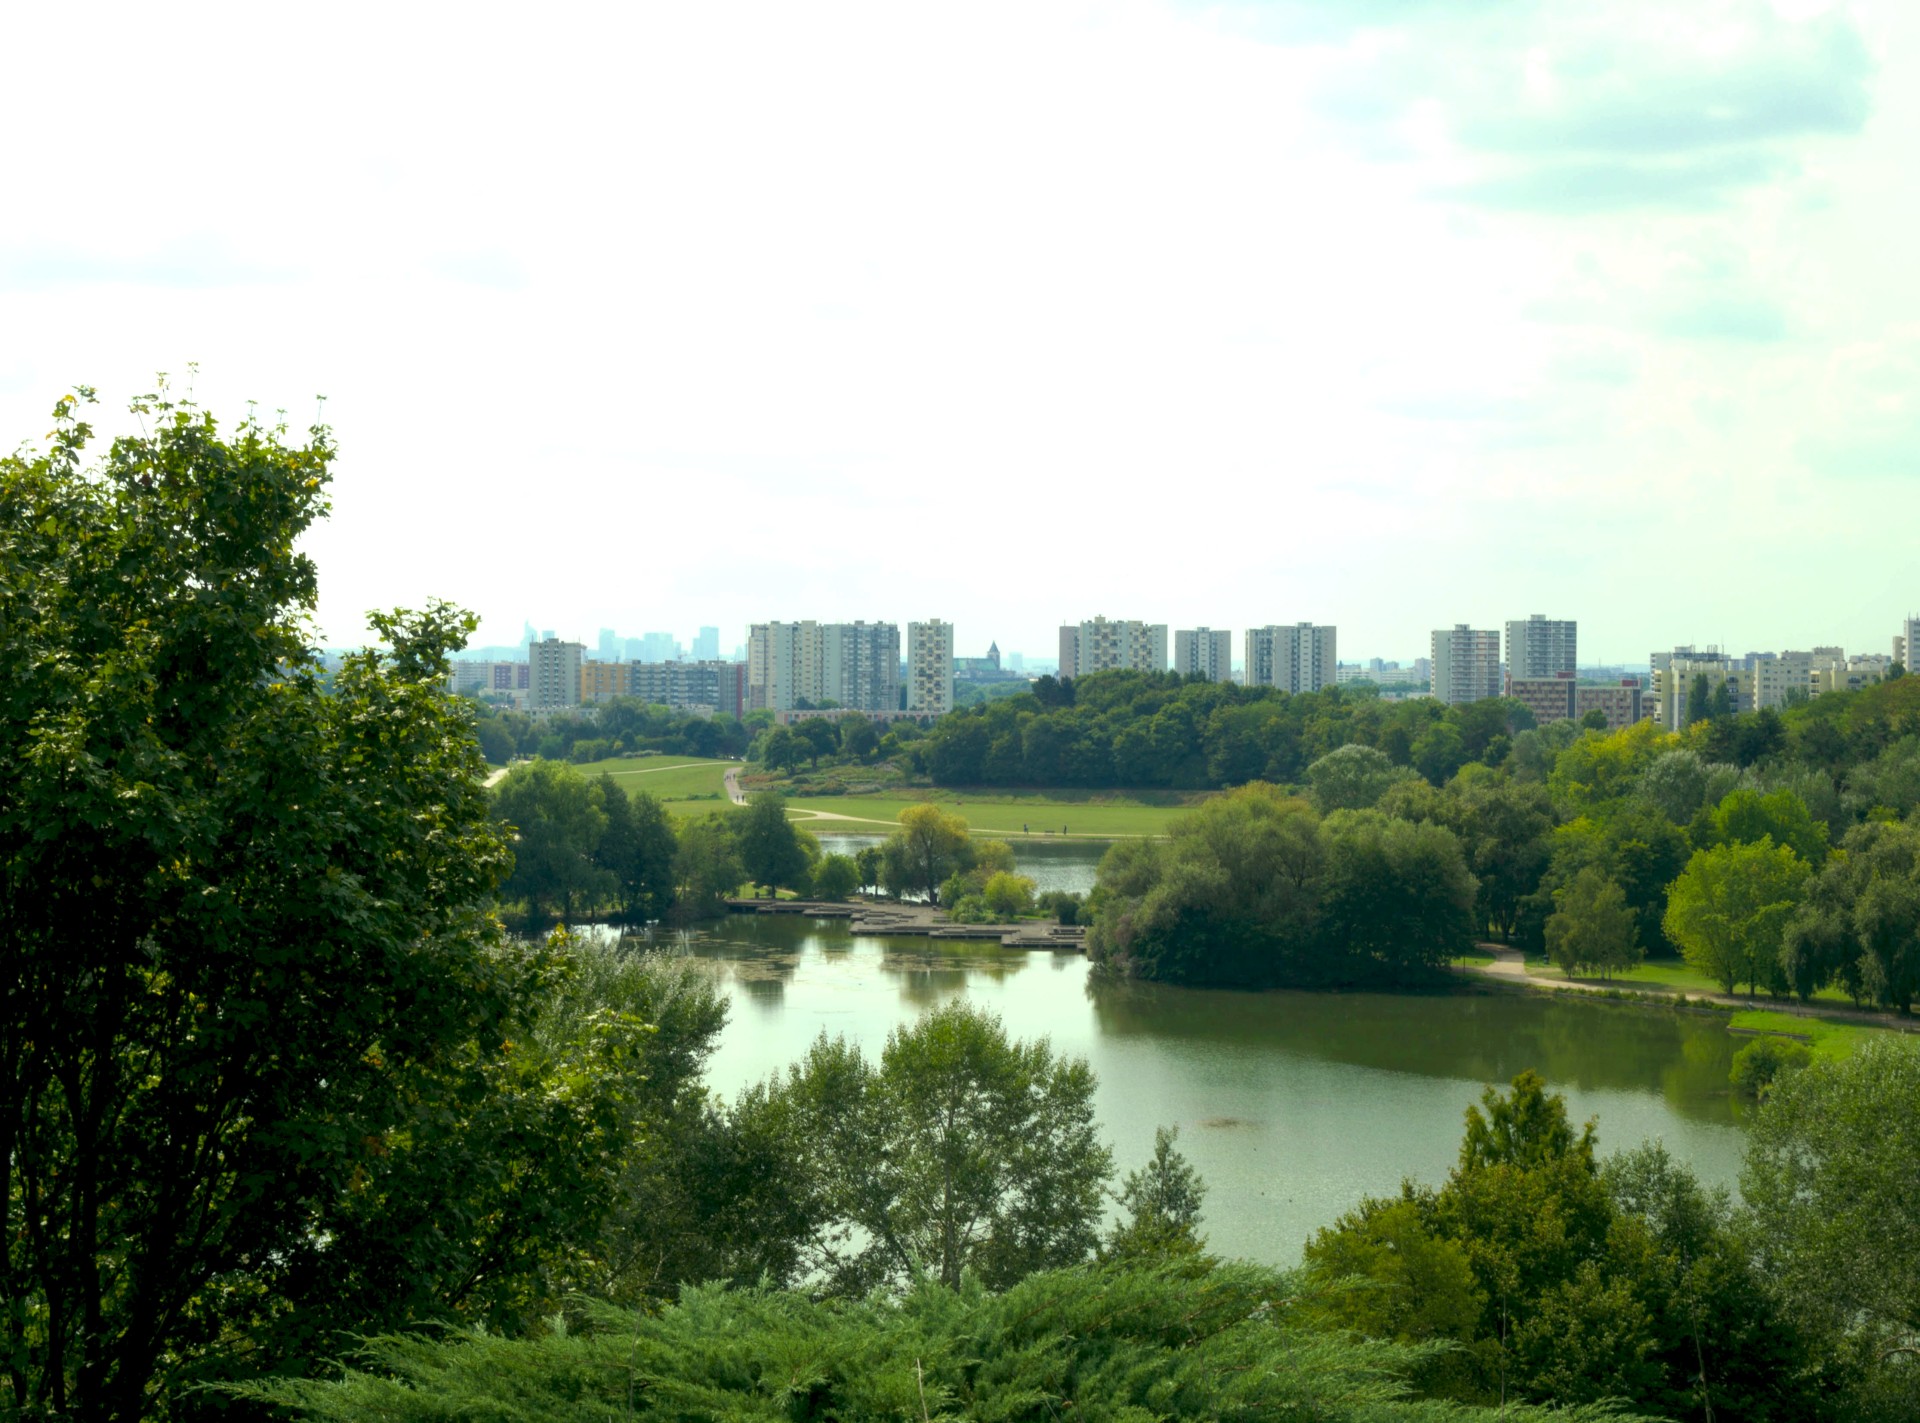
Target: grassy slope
{"x": 686, "y": 784}
{"x": 1003, "y": 813}
{"x": 1673, "y": 976}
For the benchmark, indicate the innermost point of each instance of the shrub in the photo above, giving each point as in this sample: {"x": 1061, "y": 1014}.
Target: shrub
{"x": 1760, "y": 1062}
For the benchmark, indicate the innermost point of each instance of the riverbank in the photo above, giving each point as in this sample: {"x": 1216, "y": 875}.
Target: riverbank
{"x": 1831, "y": 1028}
{"x": 908, "y": 920}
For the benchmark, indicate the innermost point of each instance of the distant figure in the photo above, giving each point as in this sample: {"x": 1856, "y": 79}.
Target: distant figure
{"x": 1063, "y": 830}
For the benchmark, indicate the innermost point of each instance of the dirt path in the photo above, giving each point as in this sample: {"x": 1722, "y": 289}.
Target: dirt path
{"x": 1510, "y": 966}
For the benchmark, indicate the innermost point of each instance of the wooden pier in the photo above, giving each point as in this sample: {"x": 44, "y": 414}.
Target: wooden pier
{"x": 921, "y": 921}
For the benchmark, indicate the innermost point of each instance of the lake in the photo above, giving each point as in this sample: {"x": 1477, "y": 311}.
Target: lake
{"x": 1292, "y": 1105}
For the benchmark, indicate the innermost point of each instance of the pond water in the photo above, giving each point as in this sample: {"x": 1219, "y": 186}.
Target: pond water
{"x": 1292, "y": 1105}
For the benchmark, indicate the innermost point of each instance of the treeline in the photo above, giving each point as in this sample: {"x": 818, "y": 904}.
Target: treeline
{"x": 622, "y": 726}
{"x": 587, "y": 849}
{"x": 1776, "y": 852}
{"x": 1160, "y": 730}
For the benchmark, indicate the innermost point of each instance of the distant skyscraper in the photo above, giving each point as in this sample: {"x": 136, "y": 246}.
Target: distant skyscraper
{"x": 1297, "y": 657}
{"x": 1204, "y": 652}
{"x": 659, "y": 647}
{"x": 930, "y": 667}
{"x": 1541, "y": 646}
{"x": 609, "y": 646}
{"x": 1102, "y": 646}
{"x": 706, "y": 645}
{"x": 1466, "y": 664}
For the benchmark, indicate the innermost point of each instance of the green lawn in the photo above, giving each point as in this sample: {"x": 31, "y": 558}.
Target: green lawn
{"x": 1673, "y": 976}
{"x": 1043, "y": 814}
{"x": 1828, "y": 1040}
{"x": 686, "y": 784}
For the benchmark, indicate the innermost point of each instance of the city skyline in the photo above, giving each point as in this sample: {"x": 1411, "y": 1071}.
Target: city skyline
{"x": 1485, "y": 302}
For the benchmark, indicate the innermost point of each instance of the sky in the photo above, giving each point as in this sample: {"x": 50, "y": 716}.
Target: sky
{"x": 1392, "y": 314}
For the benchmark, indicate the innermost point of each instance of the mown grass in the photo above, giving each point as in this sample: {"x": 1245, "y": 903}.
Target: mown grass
{"x": 1675, "y": 976}
{"x": 687, "y": 785}
{"x": 1829, "y": 1040}
{"x": 1037, "y": 814}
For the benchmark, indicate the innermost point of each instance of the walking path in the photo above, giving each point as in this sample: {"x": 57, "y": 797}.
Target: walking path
{"x": 1510, "y": 966}
{"x": 732, "y": 782}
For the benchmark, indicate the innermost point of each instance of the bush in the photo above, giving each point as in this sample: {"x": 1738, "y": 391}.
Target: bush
{"x": 1760, "y": 1062}
{"x": 1063, "y": 904}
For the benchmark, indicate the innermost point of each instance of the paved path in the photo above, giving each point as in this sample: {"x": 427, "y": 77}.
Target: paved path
{"x": 732, "y": 782}
{"x": 1510, "y": 966}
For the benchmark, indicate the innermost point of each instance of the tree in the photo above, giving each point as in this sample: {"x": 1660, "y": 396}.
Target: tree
{"x": 1729, "y": 910}
{"x": 781, "y": 749}
{"x": 1699, "y": 701}
{"x": 1353, "y": 778}
{"x": 1008, "y": 896}
{"x": 1832, "y": 1159}
{"x": 859, "y": 737}
{"x": 960, "y": 1151}
{"x": 820, "y": 737}
{"x": 770, "y": 847}
{"x": 247, "y": 907}
{"x": 930, "y": 845}
{"x": 636, "y": 849}
{"x": 1747, "y": 816}
{"x": 555, "y": 819}
{"x": 835, "y": 877}
{"x": 1162, "y": 1204}
{"x": 707, "y": 867}
{"x": 1592, "y": 927}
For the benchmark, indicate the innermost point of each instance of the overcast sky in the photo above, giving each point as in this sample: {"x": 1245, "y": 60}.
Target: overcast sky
{"x": 1382, "y": 313}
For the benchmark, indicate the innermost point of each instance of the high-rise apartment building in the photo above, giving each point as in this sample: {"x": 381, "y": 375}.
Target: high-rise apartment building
{"x": 1539, "y": 646}
{"x": 476, "y": 678}
{"x": 1906, "y": 641}
{"x": 553, "y": 678}
{"x": 1296, "y": 657}
{"x": 854, "y": 664}
{"x": 1466, "y": 664}
{"x": 930, "y": 667}
{"x": 1099, "y": 645}
{"x": 1203, "y": 652}
{"x": 691, "y": 686}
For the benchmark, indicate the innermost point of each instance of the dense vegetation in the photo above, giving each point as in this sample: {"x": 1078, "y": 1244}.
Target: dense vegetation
{"x": 278, "y": 1082}
{"x": 1775, "y": 851}
{"x": 621, "y": 726}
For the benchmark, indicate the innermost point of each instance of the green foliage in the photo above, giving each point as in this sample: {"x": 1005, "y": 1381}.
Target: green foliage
{"x": 1353, "y": 778}
{"x": 1729, "y": 909}
{"x": 248, "y": 909}
{"x": 1832, "y": 1161}
{"x": 556, "y": 823}
{"x": 930, "y": 846}
{"x": 620, "y": 726}
{"x": 835, "y": 877}
{"x": 960, "y": 1151}
{"x": 1592, "y": 927}
{"x": 1122, "y": 1341}
{"x": 636, "y": 850}
{"x": 772, "y": 849}
{"x": 1008, "y": 896}
{"x": 1253, "y": 889}
{"x": 1557, "y": 1280}
{"x": 1757, "y": 1065}
{"x": 1162, "y": 1204}
{"x": 707, "y": 866}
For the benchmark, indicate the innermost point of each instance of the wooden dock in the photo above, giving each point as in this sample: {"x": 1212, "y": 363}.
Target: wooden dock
{"x": 920, "y": 921}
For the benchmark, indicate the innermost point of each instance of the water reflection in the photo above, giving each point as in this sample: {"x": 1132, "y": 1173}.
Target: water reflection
{"x": 1292, "y": 1105}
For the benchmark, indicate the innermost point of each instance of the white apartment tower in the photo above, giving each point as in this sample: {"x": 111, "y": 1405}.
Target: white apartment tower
{"x": 1203, "y": 652}
{"x": 1300, "y": 657}
{"x": 1905, "y": 643}
{"x": 930, "y": 667}
{"x": 1466, "y": 664}
{"x": 1539, "y": 646}
{"x": 854, "y": 664}
{"x": 1102, "y": 646}
{"x": 553, "y": 678}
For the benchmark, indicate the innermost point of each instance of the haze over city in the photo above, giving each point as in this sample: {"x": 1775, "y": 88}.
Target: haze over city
{"x": 1389, "y": 317}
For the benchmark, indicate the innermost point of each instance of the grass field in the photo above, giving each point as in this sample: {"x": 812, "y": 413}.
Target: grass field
{"x": 685, "y": 784}
{"x": 1828, "y": 1040}
{"x": 1673, "y": 976}
{"x": 1040, "y": 814}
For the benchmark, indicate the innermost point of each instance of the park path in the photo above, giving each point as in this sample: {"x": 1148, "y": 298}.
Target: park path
{"x": 1510, "y": 966}
{"x": 732, "y": 782}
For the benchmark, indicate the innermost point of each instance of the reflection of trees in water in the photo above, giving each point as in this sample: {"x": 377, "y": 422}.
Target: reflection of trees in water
{"x": 767, "y": 992}
{"x": 929, "y": 971}
{"x": 1484, "y": 1036}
